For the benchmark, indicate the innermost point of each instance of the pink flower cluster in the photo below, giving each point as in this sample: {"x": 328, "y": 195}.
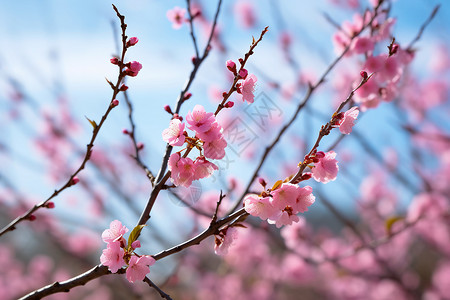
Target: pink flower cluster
{"x": 246, "y": 84}
{"x": 387, "y": 68}
{"x": 282, "y": 205}
{"x": 208, "y": 137}
{"x": 116, "y": 251}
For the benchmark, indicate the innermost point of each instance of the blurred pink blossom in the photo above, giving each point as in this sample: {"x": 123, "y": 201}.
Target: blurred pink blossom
{"x": 176, "y": 16}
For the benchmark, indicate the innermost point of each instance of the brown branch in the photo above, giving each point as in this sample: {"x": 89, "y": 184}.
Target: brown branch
{"x": 65, "y": 286}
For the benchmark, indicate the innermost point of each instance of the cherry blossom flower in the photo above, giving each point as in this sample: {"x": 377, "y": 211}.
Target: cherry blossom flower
{"x": 182, "y": 170}
{"x": 285, "y": 217}
{"x": 285, "y": 195}
{"x": 112, "y": 256}
{"x": 362, "y": 45}
{"x": 176, "y": 16}
{"x": 139, "y": 267}
{"x": 349, "y": 120}
{"x": 203, "y": 168}
{"x": 247, "y": 88}
{"x": 136, "y": 244}
{"x": 213, "y": 133}
{"x": 244, "y": 11}
{"x": 199, "y": 120}
{"x": 215, "y": 149}
{"x": 259, "y": 207}
{"x": 326, "y": 169}
{"x": 116, "y": 231}
{"x": 174, "y": 135}
{"x": 225, "y": 240}
{"x": 133, "y": 68}
{"x": 304, "y": 199}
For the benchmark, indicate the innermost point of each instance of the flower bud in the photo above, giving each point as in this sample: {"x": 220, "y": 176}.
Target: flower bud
{"x": 229, "y": 104}
{"x": 75, "y": 180}
{"x": 115, "y": 102}
{"x": 363, "y": 74}
{"x": 114, "y": 61}
{"x": 231, "y": 66}
{"x": 262, "y": 182}
{"x": 187, "y": 96}
{"x": 132, "y": 41}
{"x": 168, "y": 109}
{"x": 243, "y": 73}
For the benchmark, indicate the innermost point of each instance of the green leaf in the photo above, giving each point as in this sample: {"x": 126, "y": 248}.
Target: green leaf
{"x": 135, "y": 234}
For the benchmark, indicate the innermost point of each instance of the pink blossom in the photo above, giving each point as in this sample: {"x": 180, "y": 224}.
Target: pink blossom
{"x": 132, "y": 41}
{"x": 136, "y": 244}
{"x": 203, "y": 168}
{"x": 225, "y": 240}
{"x": 213, "y": 133}
{"x": 441, "y": 279}
{"x": 374, "y": 63}
{"x": 244, "y": 10}
{"x": 199, "y": 120}
{"x": 259, "y": 207}
{"x": 133, "y": 68}
{"x": 304, "y": 199}
{"x": 285, "y": 217}
{"x": 112, "y": 256}
{"x": 174, "y": 135}
{"x": 176, "y": 16}
{"x": 362, "y": 45}
{"x": 215, "y": 149}
{"x": 285, "y": 195}
{"x": 139, "y": 267}
{"x": 182, "y": 170}
{"x": 116, "y": 231}
{"x": 326, "y": 169}
{"x": 349, "y": 120}
{"x": 248, "y": 88}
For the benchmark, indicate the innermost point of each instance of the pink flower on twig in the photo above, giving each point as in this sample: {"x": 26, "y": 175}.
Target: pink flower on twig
{"x": 247, "y": 88}
{"x": 174, "y": 135}
{"x": 112, "y": 256}
{"x": 176, "y": 16}
{"x": 326, "y": 169}
{"x": 349, "y": 120}
{"x": 116, "y": 231}
{"x": 139, "y": 267}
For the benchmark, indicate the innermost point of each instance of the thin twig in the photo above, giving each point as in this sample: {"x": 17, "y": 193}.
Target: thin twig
{"x": 424, "y": 25}
{"x": 160, "y": 291}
